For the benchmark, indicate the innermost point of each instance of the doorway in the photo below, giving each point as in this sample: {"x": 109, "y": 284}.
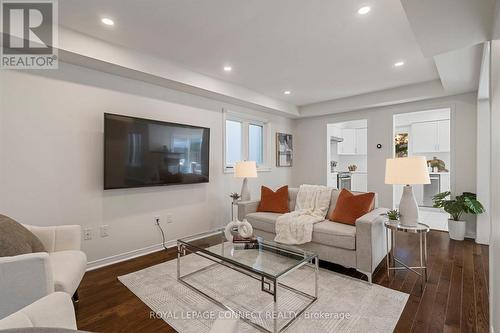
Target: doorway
{"x": 347, "y": 153}
{"x": 426, "y": 133}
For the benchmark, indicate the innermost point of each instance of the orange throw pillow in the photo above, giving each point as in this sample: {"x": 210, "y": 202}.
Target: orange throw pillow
{"x": 350, "y": 207}
{"x": 273, "y": 202}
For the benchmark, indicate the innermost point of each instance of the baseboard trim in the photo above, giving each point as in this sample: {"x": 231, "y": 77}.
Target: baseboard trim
{"x": 114, "y": 259}
{"x": 99, "y": 263}
{"x": 482, "y": 241}
{"x": 470, "y": 235}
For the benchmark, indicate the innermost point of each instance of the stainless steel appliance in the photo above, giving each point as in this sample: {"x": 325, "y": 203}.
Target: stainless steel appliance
{"x": 430, "y": 190}
{"x": 344, "y": 180}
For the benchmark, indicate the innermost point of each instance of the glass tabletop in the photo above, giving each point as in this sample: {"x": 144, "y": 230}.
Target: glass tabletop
{"x": 268, "y": 258}
{"x": 396, "y": 225}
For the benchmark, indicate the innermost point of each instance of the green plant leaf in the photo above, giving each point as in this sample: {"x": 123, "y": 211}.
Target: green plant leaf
{"x": 464, "y": 203}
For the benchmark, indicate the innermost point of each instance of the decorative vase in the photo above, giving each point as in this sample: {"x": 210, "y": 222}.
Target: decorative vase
{"x": 228, "y": 232}
{"x": 457, "y": 229}
{"x": 244, "y": 229}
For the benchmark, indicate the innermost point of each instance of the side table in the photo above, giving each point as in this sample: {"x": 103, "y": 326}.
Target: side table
{"x": 421, "y": 229}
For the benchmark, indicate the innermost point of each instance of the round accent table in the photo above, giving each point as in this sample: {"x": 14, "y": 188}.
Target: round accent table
{"x": 421, "y": 230}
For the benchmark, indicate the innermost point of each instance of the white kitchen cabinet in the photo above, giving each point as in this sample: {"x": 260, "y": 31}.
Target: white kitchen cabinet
{"x": 359, "y": 182}
{"x": 332, "y": 179}
{"x": 348, "y": 146}
{"x": 355, "y": 141}
{"x": 430, "y": 136}
{"x": 444, "y": 182}
{"x": 443, "y": 128}
{"x": 361, "y": 141}
{"x": 424, "y": 137}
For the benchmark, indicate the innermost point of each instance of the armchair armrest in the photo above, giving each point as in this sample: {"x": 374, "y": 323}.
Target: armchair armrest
{"x": 23, "y": 280}
{"x": 58, "y": 238}
{"x": 247, "y": 207}
{"x": 370, "y": 240}
{"x": 54, "y": 310}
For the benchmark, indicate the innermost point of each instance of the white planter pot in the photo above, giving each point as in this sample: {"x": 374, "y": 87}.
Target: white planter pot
{"x": 456, "y": 229}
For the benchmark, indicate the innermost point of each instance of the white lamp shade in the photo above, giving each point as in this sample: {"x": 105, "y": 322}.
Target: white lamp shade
{"x": 407, "y": 171}
{"x": 245, "y": 169}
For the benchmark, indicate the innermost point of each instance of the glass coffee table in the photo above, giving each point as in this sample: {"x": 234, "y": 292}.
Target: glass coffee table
{"x": 268, "y": 263}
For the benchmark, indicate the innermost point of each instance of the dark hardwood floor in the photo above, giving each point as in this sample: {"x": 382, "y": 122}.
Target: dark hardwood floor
{"x": 455, "y": 298}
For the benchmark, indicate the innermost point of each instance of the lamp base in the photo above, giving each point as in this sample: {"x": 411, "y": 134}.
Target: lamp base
{"x": 245, "y": 193}
{"x": 408, "y": 208}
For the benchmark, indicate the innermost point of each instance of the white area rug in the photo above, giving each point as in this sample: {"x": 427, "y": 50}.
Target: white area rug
{"x": 344, "y": 305}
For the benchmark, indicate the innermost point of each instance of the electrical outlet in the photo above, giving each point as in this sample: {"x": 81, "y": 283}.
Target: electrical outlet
{"x": 87, "y": 234}
{"x": 170, "y": 219}
{"x": 104, "y": 230}
{"x": 156, "y": 219}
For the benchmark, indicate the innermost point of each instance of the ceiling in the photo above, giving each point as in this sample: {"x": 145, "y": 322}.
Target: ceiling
{"x": 319, "y": 50}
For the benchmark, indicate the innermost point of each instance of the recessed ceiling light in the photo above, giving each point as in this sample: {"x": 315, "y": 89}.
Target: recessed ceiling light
{"x": 364, "y": 10}
{"x": 107, "y": 21}
{"x": 287, "y": 92}
{"x": 228, "y": 68}
{"x": 399, "y": 64}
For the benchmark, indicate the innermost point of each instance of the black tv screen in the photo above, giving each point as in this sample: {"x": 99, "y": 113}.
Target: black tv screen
{"x": 141, "y": 152}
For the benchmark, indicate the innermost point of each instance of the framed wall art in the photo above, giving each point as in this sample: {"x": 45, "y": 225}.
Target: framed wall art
{"x": 284, "y": 150}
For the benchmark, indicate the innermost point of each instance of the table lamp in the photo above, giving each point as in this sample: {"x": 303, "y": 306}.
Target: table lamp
{"x": 407, "y": 171}
{"x": 245, "y": 170}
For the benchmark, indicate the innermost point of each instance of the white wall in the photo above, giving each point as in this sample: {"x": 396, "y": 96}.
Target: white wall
{"x": 51, "y": 153}
{"x": 309, "y": 162}
{"x": 495, "y": 184}
{"x": 484, "y": 169}
{"x": 361, "y": 161}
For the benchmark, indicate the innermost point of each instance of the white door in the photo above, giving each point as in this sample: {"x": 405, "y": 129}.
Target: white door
{"x": 348, "y": 146}
{"x": 361, "y": 141}
{"x": 424, "y": 137}
{"x": 443, "y": 128}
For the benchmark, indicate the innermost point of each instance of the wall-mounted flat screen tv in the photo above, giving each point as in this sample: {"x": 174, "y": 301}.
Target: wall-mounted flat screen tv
{"x": 141, "y": 152}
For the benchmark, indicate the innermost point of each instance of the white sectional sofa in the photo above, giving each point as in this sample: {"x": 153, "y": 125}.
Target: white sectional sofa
{"x": 28, "y": 277}
{"x": 361, "y": 247}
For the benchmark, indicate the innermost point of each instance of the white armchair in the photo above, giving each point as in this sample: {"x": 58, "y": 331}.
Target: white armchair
{"x": 54, "y": 311}
{"x": 29, "y": 277}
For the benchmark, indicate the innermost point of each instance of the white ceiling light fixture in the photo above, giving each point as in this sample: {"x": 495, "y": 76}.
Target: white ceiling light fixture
{"x": 228, "y": 68}
{"x": 287, "y": 92}
{"x": 107, "y": 21}
{"x": 364, "y": 10}
{"x": 399, "y": 64}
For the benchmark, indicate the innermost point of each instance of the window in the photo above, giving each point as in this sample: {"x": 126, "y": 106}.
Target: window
{"x": 244, "y": 139}
{"x": 233, "y": 142}
{"x": 256, "y": 143}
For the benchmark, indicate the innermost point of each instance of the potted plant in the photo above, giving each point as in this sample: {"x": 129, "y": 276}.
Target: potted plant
{"x": 393, "y": 215}
{"x": 235, "y": 196}
{"x": 464, "y": 203}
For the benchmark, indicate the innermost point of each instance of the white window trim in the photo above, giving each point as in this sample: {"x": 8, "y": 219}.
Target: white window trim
{"x": 246, "y": 120}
